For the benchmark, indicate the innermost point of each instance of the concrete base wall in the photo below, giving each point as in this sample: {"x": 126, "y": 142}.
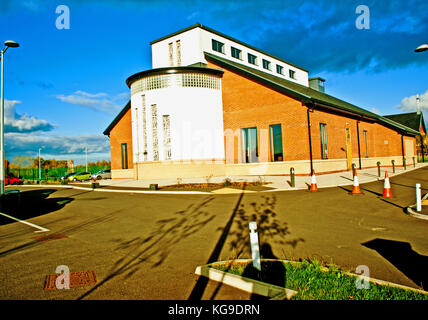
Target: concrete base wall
{"x": 218, "y": 168}
{"x": 123, "y": 174}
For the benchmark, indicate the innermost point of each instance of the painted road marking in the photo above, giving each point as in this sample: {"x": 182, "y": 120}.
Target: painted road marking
{"x": 41, "y": 229}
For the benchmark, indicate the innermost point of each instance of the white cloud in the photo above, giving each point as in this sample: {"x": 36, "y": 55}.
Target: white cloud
{"x": 408, "y": 104}
{"x": 59, "y": 146}
{"x": 13, "y": 122}
{"x": 96, "y": 101}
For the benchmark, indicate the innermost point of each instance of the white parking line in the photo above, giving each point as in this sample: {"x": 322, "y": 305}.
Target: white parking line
{"x": 41, "y": 229}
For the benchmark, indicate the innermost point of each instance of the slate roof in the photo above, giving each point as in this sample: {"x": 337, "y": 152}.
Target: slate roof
{"x": 306, "y": 94}
{"x": 412, "y": 120}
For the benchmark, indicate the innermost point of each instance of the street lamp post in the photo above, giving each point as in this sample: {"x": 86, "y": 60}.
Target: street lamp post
{"x": 12, "y": 44}
{"x": 421, "y": 48}
{"x": 40, "y": 168}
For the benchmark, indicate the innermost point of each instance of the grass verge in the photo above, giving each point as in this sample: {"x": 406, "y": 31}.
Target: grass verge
{"x": 313, "y": 281}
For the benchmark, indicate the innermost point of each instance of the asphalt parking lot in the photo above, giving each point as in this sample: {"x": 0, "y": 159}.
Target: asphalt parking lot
{"x": 147, "y": 246}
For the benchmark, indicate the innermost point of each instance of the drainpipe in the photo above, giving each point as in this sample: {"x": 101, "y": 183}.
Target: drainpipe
{"x": 422, "y": 148}
{"x": 402, "y": 148}
{"x": 310, "y": 139}
{"x": 358, "y": 138}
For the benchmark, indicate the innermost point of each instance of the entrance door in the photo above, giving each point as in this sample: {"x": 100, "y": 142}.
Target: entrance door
{"x": 348, "y": 148}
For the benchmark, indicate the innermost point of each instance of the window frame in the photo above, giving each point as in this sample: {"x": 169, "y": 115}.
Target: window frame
{"x": 239, "y": 51}
{"x": 292, "y": 74}
{"x": 214, "y": 44}
{"x": 272, "y": 144}
{"x": 266, "y": 64}
{"x": 124, "y": 154}
{"x": 281, "y": 68}
{"x": 323, "y": 135}
{"x": 252, "y": 56}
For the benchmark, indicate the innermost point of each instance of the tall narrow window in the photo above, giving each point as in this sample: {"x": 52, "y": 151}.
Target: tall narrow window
{"x": 323, "y": 133}
{"x": 144, "y": 128}
{"x": 155, "y": 133}
{"x": 279, "y": 69}
{"x": 366, "y": 143}
{"x": 249, "y": 145}
{"x": 276, "y": 142}
{"x": 178, "y": 47}
{"x": 167, "y": 137}
{"x": 292, "y": 74}
{"x": 171, "y": 54}
{"x": 124, "y": 148}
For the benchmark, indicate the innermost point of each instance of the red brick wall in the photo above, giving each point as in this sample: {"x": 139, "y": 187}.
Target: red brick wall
{"x": 247, "y": 103}
{"x": 121, "y": 133}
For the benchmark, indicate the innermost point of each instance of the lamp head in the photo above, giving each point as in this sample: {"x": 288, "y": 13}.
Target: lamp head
{"x": 422, "y": 47}
{"x": 11, "y": 43}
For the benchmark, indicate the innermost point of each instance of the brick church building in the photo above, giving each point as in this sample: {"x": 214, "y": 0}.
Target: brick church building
{"x": 215, "y": 106}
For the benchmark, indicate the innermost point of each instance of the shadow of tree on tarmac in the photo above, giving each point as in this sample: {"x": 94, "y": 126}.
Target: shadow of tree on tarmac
{"x": 236, "y": 232}
{"x": 269, "y": 228}
{"x": 156, "y": 246}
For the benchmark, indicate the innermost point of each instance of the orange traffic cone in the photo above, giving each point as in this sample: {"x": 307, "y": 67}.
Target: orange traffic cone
{"x": 356, "y": 187}
{"x": 313, "y": 182}
{"x": 387, "y": 187}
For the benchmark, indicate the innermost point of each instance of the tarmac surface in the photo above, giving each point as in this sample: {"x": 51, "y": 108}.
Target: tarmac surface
{"x": 147, "y": 245}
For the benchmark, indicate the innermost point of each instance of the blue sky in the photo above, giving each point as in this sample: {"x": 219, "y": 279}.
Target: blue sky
{"x": 63, "y": 87}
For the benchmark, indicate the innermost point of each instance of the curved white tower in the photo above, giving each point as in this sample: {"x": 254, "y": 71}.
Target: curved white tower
{"x": 177, "y": 115}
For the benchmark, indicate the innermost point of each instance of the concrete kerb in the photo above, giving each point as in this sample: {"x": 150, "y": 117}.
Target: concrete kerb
{"x": 272, "y": 291}
{"x": 412, "y": 213}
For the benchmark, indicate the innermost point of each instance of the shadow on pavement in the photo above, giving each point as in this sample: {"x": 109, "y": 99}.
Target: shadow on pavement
{"x": 272, "y": 272}
{"x": 401, "y": 255}
{"x": 29, "y": 204}
{"x": 156, "y": 246}
{"x": 269, "y": 229}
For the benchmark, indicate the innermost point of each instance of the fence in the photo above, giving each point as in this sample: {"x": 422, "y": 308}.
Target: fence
{"x": 53, "y": 174}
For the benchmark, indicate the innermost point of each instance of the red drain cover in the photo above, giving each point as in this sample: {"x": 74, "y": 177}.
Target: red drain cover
{"x": 77, "y": 279}
{"x": 50, "y": 237}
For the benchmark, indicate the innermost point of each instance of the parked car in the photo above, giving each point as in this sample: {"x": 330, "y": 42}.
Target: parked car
{"x": 80, "y": 176}
{"x": 67, "y": 175}
{"x": 102, "y": 174}
{"x": 12, "y": 180}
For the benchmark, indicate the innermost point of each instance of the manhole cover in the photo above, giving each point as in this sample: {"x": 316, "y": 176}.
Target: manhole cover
{"x": 77, "y": 279}
{"x": 50, "y": 237}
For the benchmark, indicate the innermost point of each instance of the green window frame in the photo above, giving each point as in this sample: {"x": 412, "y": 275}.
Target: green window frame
{"x": 249, "y": 145}
{"x": 236, "y": 53}
{"x": 266, "y": 64}
{"x": 279, "y": 69}
{"x": 324, "y": 145}
{"x": 275, "y": 132}
{"x": 124, "y": 151}
{"x": 217, "y": 46}
{"x": 252, "y": 59}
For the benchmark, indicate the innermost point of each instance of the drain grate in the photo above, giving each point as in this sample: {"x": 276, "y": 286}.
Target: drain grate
{"x": 50, "y": 237}
{"x": 77, "y": 279}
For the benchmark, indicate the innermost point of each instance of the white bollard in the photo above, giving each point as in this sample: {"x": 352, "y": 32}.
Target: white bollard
{"x": 418, "y": 197}
{"x": 254, "y": 241}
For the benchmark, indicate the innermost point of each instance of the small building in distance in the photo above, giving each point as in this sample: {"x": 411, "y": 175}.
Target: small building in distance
{"x": 215, "y": 106}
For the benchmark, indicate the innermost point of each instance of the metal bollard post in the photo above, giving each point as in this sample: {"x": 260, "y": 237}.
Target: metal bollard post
{"x": 354, "y": 167}
{"x": 414, "y": 162}
{"x": 418, "y": 197}
{"x": 378, "y": 168}
{"x": 393, "y": 166}
{"x": 292, "y": 178}
{"x": 404, "y": 163}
